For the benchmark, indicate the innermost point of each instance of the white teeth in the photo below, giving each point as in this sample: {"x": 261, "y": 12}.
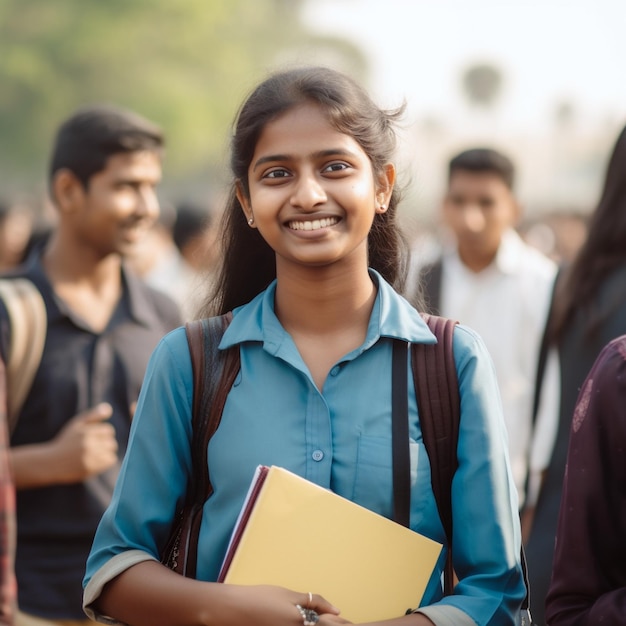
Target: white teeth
{"x": 313, "y": 224}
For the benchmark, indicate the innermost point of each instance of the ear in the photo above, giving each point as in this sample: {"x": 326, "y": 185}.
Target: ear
{"x": 68, "y": 192}
{"x": 384, "y": 187}
{"x": 244, "y": 201}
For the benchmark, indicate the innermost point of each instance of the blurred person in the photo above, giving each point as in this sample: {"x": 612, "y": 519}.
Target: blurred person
{"x": 160, "y": 264}
{"x": 178, "y": 255}
{"x": 589, "y": 570}
{"x": 8, "y": 589}
{"x": 194, "y": 235}
{"x": 16, "y": 223}
{"x": 102, "y": 324}
{"x": 589, "y": 310}
{"x": 489, "y": 279}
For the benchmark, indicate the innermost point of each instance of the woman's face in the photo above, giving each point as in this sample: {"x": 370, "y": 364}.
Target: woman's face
{"x": 313, "y": 194}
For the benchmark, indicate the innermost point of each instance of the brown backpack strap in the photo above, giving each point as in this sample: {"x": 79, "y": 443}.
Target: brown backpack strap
{"x": 214, "y": 372}
{"x": 439, "y": 409}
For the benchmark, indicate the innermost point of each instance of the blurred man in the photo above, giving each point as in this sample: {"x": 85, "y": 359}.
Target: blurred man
{"x": 492, "y": 281}
{"x": 102, "y": 325}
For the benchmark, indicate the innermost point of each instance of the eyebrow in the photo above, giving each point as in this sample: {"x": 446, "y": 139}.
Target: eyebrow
{"x": 332, "y": 152}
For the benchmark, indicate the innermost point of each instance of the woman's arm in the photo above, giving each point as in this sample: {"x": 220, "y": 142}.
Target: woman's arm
{"x": 486, "y": 529}
{"x": 149, "y": 594}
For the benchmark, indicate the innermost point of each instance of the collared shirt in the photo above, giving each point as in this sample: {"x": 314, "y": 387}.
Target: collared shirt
{"x": 507, "y": 305}
{"x": 339, "y": 438}
{"x": 79, "y": 369}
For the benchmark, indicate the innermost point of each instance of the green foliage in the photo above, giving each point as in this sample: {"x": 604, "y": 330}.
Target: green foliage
{"x": 186, "y": 64}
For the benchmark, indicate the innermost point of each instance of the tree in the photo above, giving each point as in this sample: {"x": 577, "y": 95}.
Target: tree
{"x": 185, "y": 64}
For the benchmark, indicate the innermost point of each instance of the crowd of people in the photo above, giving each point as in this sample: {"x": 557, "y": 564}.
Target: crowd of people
{"x": 309, "y": 265}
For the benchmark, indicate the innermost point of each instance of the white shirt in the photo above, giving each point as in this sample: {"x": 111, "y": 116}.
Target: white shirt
{"x": 507, "y": 304}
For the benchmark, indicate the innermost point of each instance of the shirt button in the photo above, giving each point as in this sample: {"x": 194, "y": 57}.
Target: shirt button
{"x": 334, "y": 371}
{"x": 317, "y": 455}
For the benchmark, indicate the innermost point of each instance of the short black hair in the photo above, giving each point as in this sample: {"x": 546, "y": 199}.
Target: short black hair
{"x": 191, "y": 220}
{"x": 484, "y": 160}
{"x": 94, "y": 133}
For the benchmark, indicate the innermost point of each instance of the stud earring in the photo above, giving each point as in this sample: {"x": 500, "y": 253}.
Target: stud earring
{"x": 383, "y": 207}
{"x": 250, "y": 221}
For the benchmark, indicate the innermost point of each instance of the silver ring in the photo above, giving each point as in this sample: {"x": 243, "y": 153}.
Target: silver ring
{"x": 309, "y": 616}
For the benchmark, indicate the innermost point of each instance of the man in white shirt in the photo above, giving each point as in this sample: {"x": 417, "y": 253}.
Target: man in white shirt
{"x": 489, "y": 279}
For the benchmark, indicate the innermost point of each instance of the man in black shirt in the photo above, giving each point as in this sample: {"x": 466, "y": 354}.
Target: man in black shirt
{"x": 102, "y": 325}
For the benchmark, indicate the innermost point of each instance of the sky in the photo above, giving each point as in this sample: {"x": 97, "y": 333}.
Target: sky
{"x": 551, "y": 50}
{"x": 550, "y": 53}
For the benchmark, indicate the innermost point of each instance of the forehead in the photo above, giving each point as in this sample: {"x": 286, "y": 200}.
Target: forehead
{"x": 140, "y": 164}
{"x": 480, "y": 183}
{"x": 303, "y": 129}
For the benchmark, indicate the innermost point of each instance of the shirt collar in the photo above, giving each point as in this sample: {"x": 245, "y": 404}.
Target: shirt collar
{"x": 392, "y": 316}
{"x": 134, "y": 293}
{"x": 507, "y": 259}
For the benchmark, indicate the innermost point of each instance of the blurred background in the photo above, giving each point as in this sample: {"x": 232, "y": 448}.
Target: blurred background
{"x": 543, "y": 80}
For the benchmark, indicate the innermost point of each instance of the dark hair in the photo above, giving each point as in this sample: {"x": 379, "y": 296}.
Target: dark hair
{"x": 192, "y": 219}
{"x": 484, "y": 160}
{"x": 249, "y": 264}
{"x": 92, "y": 134}
{"x": 602, "y": 252}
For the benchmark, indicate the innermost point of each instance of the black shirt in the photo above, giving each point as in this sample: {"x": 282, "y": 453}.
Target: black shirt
{"x": 79, "y": 369}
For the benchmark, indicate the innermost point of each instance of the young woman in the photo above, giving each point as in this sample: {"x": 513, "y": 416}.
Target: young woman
{"x": 312, "y": 255}
{"x": 589, "y": 310}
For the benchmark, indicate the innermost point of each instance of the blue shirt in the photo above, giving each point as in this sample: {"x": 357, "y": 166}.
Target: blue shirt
{"x": 339, "y": 438}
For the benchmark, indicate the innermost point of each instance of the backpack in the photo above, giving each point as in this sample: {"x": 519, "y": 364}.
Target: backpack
{"x": 29, "y": 321}
{"x": 437, "y": 394}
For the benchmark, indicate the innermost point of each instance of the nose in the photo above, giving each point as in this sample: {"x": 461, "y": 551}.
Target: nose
{"x": 148, "y": 203}
{"x": 308, "y": 192}
{"x": 473, "y": 218}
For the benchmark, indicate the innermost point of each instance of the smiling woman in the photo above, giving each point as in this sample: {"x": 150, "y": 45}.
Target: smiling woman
{"x": 312, "y": 255}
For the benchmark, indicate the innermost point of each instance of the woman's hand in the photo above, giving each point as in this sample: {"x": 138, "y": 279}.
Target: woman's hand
{"x": 274, "y": 606}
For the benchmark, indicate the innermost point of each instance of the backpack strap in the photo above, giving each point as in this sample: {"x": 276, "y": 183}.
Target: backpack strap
{"x": 439, "y": 408}
{"x": 214, "y": 372}
{"x": 28, "y": 319}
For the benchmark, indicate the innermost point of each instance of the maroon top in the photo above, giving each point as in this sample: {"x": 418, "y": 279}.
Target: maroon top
{"x": 7, "y": 518}
{"x": 589, "y": 572}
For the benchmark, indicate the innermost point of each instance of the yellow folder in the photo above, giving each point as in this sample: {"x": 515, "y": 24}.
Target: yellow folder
{"x": 298, "y": 535}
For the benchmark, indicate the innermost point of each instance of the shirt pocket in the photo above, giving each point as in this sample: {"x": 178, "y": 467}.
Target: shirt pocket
{"x": 373, "y": 483}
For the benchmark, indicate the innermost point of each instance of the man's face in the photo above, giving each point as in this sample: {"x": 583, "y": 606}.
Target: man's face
{"x": 120, "y": 203}
{"x": 478, "y": 207}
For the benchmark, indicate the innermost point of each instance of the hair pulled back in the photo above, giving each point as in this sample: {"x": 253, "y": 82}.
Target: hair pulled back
{"x": 248, "y": 264}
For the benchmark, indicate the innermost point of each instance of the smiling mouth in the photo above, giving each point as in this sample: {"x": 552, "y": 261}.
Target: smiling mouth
{"x": 313, "y": 224}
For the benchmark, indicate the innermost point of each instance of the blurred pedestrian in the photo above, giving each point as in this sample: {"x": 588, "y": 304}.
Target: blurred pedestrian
{"x": 16, "y": 224}
{"x": 488, "y": 278}
{"x": 8, "y": 589}
{"x": 589, "y": 310}
{"x": 102, "y": 324}
{"x": 589, "y": 571}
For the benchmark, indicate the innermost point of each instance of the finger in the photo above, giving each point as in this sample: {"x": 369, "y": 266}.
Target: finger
{"x": 320, "y": 604}
{"x": 98, "y": 413}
